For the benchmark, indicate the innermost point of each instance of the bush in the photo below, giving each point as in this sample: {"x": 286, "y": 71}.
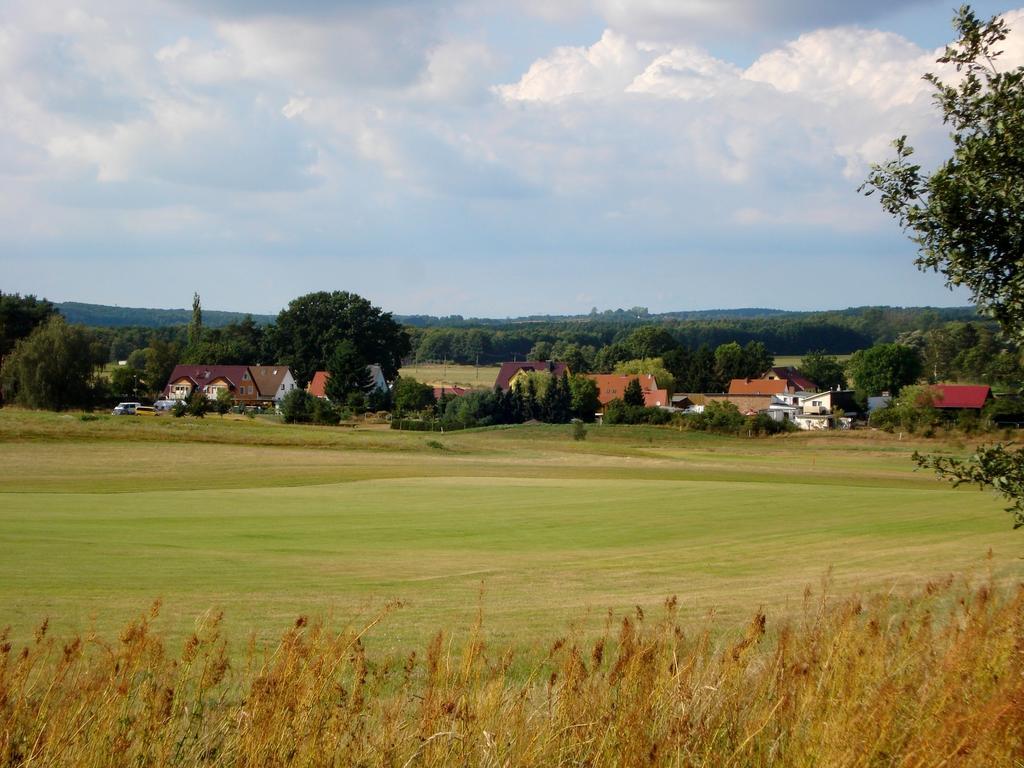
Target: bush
{"x": 179, "y": 409}
{"x": 324, "y": 412}
{"x": 619, "y": 412}
{"x": 297, "y": 407}
{"x": 579, "y": 430}
{"x": 198, "y": 404}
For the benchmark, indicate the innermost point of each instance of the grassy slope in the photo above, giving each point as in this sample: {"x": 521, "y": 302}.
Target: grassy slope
{"x": 267, "y": 521}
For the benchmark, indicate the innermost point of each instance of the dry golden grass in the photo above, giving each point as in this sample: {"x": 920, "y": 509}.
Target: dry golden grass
{"x": 933, "y": 679}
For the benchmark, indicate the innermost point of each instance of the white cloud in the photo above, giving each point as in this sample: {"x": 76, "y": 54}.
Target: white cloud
{"x": 605, "y": 68}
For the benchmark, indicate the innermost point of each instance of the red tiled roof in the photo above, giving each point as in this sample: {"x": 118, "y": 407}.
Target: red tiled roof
{"x": 612, "y": 386}
{"x": 758, "y": 386}
{"x": 961, "y": 395}
{"x": 656, "y": 398}
{"x": 508, "y": 370}
{"x": 796, "y": 379}
{"x": 202, "y": 375}
{"x": 318, "y": 386}
{"x": 450, "y": 391}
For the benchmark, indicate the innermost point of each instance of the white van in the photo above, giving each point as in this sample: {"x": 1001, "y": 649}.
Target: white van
{"x": 125, "y": 409}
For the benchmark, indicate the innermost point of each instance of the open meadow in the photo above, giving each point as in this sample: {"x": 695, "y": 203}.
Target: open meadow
{"x": 452, "y": 375}
{"x": 643, "y": 597}
{"x": 266, "y": 521}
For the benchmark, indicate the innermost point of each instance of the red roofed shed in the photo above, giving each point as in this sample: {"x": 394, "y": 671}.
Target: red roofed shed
{"x": 962, "y": 396}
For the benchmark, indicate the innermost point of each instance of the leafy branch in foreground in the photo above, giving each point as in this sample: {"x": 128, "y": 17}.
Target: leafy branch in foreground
{"x": 997, "y": 466}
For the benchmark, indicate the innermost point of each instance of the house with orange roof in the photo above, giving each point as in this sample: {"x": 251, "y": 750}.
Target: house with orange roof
{"x": 317, "y": 386}
{"x": 612, "y": 386}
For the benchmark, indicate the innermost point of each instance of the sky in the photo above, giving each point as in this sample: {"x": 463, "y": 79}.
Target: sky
{"x": 486, "y": 158}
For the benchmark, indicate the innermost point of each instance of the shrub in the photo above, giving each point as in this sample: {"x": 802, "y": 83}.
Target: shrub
{"x": 198, "y": 404}
{"x": 324, "y": 412}
{"x": 579, "y": 430}
{"x": 297, "y": 407}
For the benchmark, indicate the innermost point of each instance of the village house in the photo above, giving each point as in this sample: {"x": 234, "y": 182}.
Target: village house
{"x": 508, "y": 371}
{"x": 317, "y": 386}
{"x": 249, "y": 385}
{"x": 612, "y": 386}
{"x": 453, "y": 391}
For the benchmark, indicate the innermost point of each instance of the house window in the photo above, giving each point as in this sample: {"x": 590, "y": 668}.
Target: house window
{"x": 245, "y": 377}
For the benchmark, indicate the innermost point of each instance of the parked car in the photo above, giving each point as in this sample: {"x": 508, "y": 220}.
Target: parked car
{"x": 164, "y": 405}
{"x": 125, "y": 409}
{"x": 146, "y": 410}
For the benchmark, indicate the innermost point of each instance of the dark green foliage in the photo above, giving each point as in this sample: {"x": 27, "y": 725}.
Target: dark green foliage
{"x": 52, "y": 368}
{"x": 584, "y": 401}
{"x": 718, "y": 416}
{"x": 735, "y": 362}
{"x": 823, "y": 369}
{"x": 410, "y": 396}
{"x": 145, "y": 320}
{"x": 694, "y": 371}
{"x": 223, "y": 402}
{"x": 124, "y": 382}
{"x": 161, "y": 357}
{"x": 1005, "y": 410}
{"x": 650, "y": 341}
{"x": 241, "y": 343}
{"x": 633, "y": 395}
{"x": 913, "y": 411}
{"x": 310, "y": 329}
{"x": 884, "y": 368}
{"x": 378, "y": 399}
{"x": 349, "y": 373}
{"x": 999, "y": 466}
{"x": 19, "y": 316}
{"x": 325, "y": 412}
{"x": 556, "y": 404}
{"x": 297, "y": 407}
{"x": 610, "y": 356}
{"x": 968, "y": 352}
{"x": 198, "y": 404}
{"x": 195, "y": 326}
{"x": 179, "y": 409}
{"x": 579, "y": 430}
{"x": 967, "y": 217}
{"x": 300, "y": 407}
{"x": 620, "y": 412}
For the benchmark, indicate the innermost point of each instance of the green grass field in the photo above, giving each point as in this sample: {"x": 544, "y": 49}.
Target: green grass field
{"x": 266, "y": 521}
{"x": 794, "y": 360}
{"x": 452, "y": 374}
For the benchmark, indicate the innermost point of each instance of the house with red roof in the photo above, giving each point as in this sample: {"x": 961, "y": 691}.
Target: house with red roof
{"x": 452, "y": 391}
{"x": 317, "y": 386}
{"x": 961, "y": 397}
{"x": 612, "y": 386}
{"x": 249, "y": 385}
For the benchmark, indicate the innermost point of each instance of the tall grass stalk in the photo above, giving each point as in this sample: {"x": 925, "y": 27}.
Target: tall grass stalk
{"x": 933, "y": 679}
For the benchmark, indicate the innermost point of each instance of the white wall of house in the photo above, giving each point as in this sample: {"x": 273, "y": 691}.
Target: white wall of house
{"x": 287, "y": 385}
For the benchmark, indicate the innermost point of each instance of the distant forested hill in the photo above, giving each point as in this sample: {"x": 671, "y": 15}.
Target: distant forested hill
{"x": 101, "y": 316}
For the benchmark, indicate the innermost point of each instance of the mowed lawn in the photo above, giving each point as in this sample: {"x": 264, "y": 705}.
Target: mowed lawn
{"x": 267, "y": 522}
